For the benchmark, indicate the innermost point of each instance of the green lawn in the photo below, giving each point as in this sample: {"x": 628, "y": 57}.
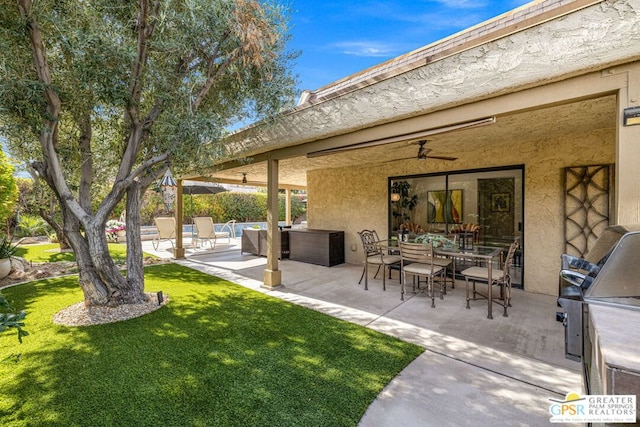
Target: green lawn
{"x": 217, "y": 354}
{"x": 47, "y": 253}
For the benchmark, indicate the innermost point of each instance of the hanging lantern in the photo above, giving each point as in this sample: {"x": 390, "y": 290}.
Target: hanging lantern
{"x": 169, "y": 188}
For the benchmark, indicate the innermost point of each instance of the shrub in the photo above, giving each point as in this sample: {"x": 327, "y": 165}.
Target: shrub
{"x": 152, "y": 207}
{"x": 298, "y": 207}
{"x": 222, "y": 207}
{"x": 31, "y": 226}
{"x": 8, "y": 189}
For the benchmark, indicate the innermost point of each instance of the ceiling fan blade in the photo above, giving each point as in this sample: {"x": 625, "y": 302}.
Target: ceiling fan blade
{"x": 397, "y": 160}
{"x": 442, "y": 157}
{"x": 423, "y": 158}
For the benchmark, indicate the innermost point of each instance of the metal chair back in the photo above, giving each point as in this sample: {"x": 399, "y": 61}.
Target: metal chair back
{"x": 369, "y": 239}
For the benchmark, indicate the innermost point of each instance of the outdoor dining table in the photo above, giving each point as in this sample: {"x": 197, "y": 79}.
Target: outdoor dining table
{"x": 475, "y": 253}
{"x": 483, "y": 253}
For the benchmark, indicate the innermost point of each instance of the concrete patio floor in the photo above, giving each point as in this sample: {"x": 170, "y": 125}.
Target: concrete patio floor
{"x": 475, "y": 371}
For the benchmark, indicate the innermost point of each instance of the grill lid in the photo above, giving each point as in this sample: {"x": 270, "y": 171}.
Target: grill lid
{"x": 618, "y": 282}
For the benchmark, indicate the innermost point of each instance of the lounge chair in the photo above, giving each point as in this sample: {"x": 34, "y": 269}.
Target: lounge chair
{"x": 205, "y": 230}
{"x": 166, "y": 231}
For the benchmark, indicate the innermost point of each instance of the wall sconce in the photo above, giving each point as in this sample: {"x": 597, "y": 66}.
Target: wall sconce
{"x": 631, "y": 116}
{"x": 169, "y": 188}
{"x": 395, "y": 197}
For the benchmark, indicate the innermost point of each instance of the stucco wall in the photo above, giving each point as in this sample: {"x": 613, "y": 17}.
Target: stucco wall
{"x": 352, "y": 199}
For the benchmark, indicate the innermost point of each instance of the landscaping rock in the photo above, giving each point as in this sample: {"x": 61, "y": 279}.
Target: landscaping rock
{"x": 18, "y": 265}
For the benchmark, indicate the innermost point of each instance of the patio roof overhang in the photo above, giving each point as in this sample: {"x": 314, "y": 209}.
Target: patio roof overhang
{"x": 597, "y": 111}
{"x": 522, "y": 74}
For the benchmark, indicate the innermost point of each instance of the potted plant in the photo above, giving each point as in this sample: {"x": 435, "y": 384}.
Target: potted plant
{"x": 7, "y": 250}
{"x": 406, "y": 203}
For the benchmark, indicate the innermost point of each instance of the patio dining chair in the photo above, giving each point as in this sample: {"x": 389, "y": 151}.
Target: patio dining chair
{"x": 499, "y": 277}
{"x": 166, "y": 231}
{"x": 375, "y": 255}
{"x": 417, "y": 260}
{"x": 448, "y": 263}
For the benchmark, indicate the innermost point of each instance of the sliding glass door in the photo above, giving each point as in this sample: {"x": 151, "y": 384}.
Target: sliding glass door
{"x": 488, "y": 203}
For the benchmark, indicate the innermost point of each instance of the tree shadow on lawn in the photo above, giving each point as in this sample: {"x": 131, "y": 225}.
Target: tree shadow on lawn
{"x": 35, "y": 290}
{"x": 216, "y": 354}
{"x": 43, "y": 253}
{"x": 23, "y": 252}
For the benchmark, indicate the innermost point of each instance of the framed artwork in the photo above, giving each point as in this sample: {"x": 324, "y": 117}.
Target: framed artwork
{"x": 444, "y": 206}
{"x": 500, "y": 202}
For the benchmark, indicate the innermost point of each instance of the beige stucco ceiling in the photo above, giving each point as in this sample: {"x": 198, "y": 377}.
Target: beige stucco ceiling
{"x": 522, "y": 127}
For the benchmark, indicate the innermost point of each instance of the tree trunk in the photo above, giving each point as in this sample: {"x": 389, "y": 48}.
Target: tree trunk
{"x": 135, "y": 264}
{"x": 57, "y": 228}
{"x": 102, "y": 282}
{"x": 95, "y": 292}
{"x": 100, "y": 278}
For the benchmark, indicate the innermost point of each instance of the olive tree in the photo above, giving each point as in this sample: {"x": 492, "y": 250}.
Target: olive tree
{"x": 111, "y": 93}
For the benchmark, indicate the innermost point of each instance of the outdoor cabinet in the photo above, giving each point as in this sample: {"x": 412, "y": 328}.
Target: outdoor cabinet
{"x": 254, "y": 242}
{"x": 250, "y": 241}
{"x": 322, "y": 247}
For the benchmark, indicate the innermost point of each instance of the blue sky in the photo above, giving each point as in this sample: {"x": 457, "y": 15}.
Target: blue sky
{"x": 341, "y": 37}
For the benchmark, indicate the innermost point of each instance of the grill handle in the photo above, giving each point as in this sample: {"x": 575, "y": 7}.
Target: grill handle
{"x": 575, "y": 263}
{"x": 577, "y": 279}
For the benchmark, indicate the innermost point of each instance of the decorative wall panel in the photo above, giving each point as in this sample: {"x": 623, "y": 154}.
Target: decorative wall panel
{"x": 587, "y": 205}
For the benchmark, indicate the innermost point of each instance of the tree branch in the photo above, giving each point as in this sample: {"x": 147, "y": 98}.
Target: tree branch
{"x": 153, "y": 115}
{"x": 211, "y": 79}
{"x": 51, "y": 170}
{"x": 86, "y": 179}
{"x": 146, "y": 165}
{"x": 145, "y": 32}
{"x": 135, "y": 82}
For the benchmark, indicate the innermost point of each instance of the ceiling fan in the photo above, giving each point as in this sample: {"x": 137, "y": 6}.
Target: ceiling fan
{"x": 423, "y": 153}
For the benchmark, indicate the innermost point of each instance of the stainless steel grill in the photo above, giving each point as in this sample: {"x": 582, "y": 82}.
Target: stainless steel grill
{"x": 614, "y": 280}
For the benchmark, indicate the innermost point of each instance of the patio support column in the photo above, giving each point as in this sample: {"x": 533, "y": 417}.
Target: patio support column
{"x": 179, "y": 251}
{"x": 272, "y": 276}
{"x": 627, "y": 209}
{"x": 287, "y": 210}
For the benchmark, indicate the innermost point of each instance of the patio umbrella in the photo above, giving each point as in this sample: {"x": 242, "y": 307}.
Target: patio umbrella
{"x": 198, "y": 187}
